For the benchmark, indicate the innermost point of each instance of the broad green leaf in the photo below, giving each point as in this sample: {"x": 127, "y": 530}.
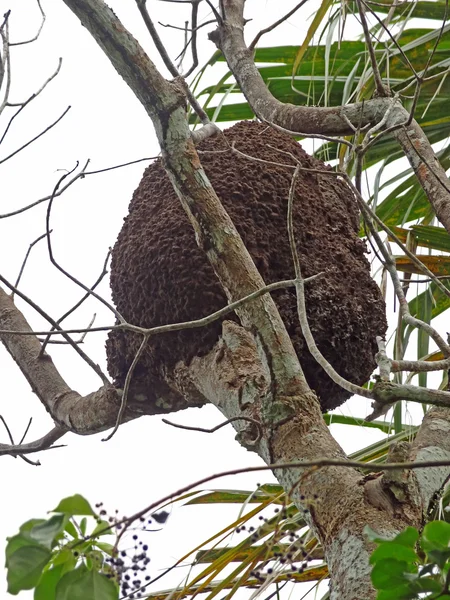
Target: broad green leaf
{"x": 436, "y": 536}
{"x": 393, "y": 550}
{"x": 408, "y": 537}
{"x": 82, "y": 584}
{"x": 74, "y": 505}
{"x": 421, "y": 10}
{"x": 45, "y": 533}
{"x": 16, "y": 542}
{"x": 102, "y": 528}
{"x": 389, "y": 573}
{"x": 107, "y": 548}
{"x": 30, "y": 524}
{"x": 71, "y": 530}
{"x": 25, "y": 567}
{"x": 64, "y": 555}
{"x": 46, "y": 589}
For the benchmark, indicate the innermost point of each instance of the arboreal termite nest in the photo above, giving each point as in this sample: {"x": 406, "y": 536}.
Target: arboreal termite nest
{"x": 159, "y": 275}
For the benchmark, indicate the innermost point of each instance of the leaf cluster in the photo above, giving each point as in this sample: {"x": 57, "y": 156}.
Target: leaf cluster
{"x": 58, "y": 559}
{"x": 412, "y": 566}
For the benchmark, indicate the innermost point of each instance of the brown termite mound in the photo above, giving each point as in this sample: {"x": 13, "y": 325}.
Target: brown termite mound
{"x": 159, "y": 275}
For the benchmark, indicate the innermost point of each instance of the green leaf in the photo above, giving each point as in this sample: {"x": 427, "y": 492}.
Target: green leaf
{"x": 25, "y": 568}
{"x": 46, "y": 589}
{"x": 16, "y": 542}
{"x": 435, "y": 536}
{"x": 71, "y": 530}
{"x": 82, "y": 584}
{"x": 46, "y": 532}
{"x": 239, "y": 496}
{"x": 407, "y": 537}
{"x": 106, "y": 548}
{"x": 28, "y": 525}
{"x": 389, "y": 572}
{"x": 402, "y": 592}
{"x": 64, "y": 555}
{"x": 83, "y": 525}
{"x": 393, "y": 550}
{"x": 103, "y": 527}
{"x": 74, "y": 505}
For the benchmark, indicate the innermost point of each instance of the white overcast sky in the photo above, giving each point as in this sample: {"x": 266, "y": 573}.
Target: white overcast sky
{"x": 146, "y": 459}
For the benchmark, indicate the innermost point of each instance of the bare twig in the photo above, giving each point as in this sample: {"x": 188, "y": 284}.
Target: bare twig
{"x": 90, "y": 291}
{"x": 5, "y": 62}
{"x": 80, "y": 302}
{"x": 44, "y": 443}
{"x": 301, "y": 306}
{"x": 81, "y": 175}
{"x": 278, "y": 285}
{"x": 217, "y": 427}
{"x": 141, "y": 4}
{"x": 194, "y": 29}
{"x": 3, "y": 160}
{"x": 30, "y": 247}
{"x": 380, "y": 87}
{"x": 11, "y": 439}
{"x": 126, "y": 387}
{"x": 47, "y": 317}
{"x": 259, "y": 35}
{"x": 39, "y": 91}
{"x": 35, "y": 37}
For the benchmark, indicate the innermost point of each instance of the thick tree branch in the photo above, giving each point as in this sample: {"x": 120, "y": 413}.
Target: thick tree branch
{"x": 84, "y": 415}
{"x": 229, "y": 37}
{"x": 214, "y": 230}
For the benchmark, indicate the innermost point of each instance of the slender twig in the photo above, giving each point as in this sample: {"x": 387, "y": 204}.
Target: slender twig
{"x": 194, "y": 29}
{"x": 35, "y": 37}
{"x": 30, "y": 247}
{"x": 310, "y": 464}
{"x": 11, "y": 439}
{"x": 301, "y": 306}
{"x": 181, "y": 56}
{"x": 254, "y": 422}
{"x": 81, "y": 338}
{"x": 5, "y": 19}
{"x": 81, "y": 175}
{"x": 44, "y": 443}
{"x": 379, "y": 85}
{"x": 141, "y": 4}
{"x": 5, "y": 61}
{"x": 427, "y": 65}
{"x": 35, "y": 94}
{"x": 48, "y": 318}
{"x": 3, "y": 160}
{"x": 61, "y": 269}
{"x": 317, "y": 136}
{"x": 278, "y": 285}
{"x": 395, "y": 42}
{"x": 275, "y": 25}
{"x": 126, "y": 387}
{"x": 80, "y": 302}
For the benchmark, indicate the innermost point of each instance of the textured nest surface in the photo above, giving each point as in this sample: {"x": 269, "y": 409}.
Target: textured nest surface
{"x": 159, "y": 276}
